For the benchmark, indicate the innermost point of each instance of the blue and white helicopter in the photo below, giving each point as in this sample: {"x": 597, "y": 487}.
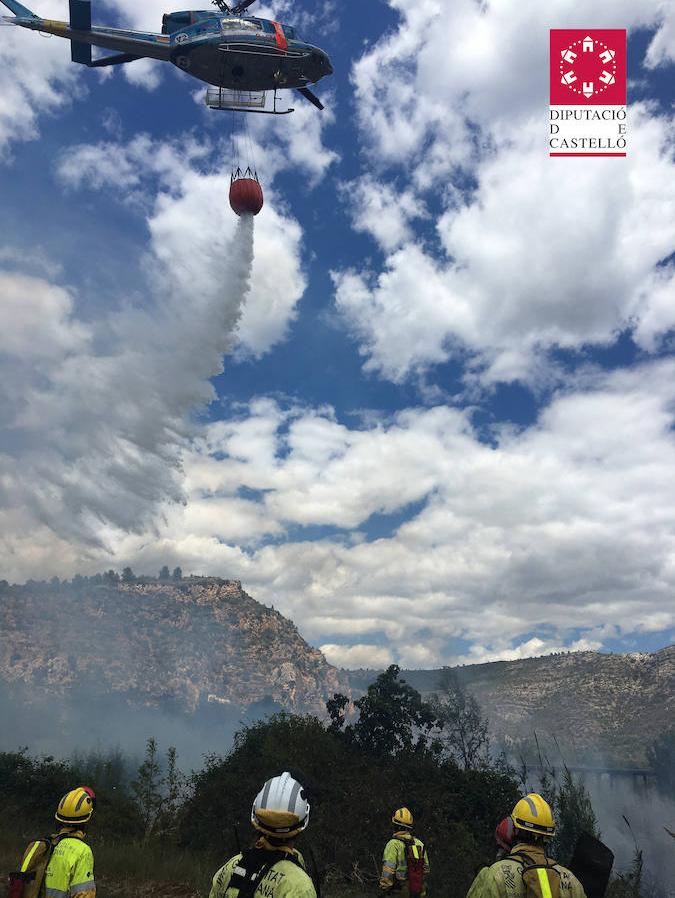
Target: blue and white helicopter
{"x": 243, "y": 57}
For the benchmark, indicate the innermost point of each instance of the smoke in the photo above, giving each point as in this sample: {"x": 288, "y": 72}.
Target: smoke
{"x": 93, "y": 417}
{"x": 81, "y": 721}
{"x": 648, "y": 810}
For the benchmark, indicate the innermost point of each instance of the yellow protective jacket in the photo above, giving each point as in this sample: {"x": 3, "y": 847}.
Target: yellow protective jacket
{"x": 395, "y": 864}
{"x": 283, "y": 880}
{"x": 504, "y": 879}
{"x": 70, "y": 870}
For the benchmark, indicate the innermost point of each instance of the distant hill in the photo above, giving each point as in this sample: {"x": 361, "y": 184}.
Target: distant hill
{"x": 603, "y": 709}
{"x": 177, "y": 645}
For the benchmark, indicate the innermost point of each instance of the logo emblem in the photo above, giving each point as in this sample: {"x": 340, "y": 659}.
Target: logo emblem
{"x": 588, "y": 66}
{"x": 587, "y": 115}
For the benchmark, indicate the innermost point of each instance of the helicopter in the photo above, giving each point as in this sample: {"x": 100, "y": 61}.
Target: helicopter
{"x": 241, "y": 56}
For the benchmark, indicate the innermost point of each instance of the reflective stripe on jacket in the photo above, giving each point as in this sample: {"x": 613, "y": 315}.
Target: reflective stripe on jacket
{"x": 504, "y": 879}
{"x": 395, "y": 863}
{"x": 284, "y": 880}
{"x": 70, "y": 871}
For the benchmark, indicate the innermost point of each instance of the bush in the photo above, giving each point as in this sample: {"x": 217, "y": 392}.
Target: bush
{"x": 352, "y": 799}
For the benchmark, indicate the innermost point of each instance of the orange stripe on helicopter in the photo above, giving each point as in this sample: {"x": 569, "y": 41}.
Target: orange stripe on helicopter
{"x": 282, "y": 43}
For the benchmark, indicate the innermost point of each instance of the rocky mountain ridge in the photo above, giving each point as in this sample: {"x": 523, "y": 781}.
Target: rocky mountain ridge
{"x": 592, "y": 708}
{"x": 178, "y": 644}
{"x": 202, "y": 651}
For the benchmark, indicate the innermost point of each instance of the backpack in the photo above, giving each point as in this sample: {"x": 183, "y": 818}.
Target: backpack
{"x": 254, "y": 865}
{"x": 541, "y": 880}
{"x": 29, "y": 881}
{"x": 414, "y": 856}
{"x": 592, "y": 865}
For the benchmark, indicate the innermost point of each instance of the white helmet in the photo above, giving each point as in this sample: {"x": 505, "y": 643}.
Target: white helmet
{"x": 280, "y": 808}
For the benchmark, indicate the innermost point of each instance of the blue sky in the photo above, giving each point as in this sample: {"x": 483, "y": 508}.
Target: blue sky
{"x": 424, "y": 407}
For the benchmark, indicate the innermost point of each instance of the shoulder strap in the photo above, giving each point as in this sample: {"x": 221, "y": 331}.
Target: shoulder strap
{"x": 531, "y": 863}
{"x": 254, "y": 865}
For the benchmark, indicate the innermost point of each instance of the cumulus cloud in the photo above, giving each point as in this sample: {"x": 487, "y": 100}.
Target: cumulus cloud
{"x": 531, "y": 648}
{"x": 565, "y": 257}
{"x": 537, "y": 253}
{"x": 379, "y": 209}
{"x": 419, "y": 103}
{"x": 555, "y": 537}
{"x": 36, "y": 76}
{"x": 355, "y": 656}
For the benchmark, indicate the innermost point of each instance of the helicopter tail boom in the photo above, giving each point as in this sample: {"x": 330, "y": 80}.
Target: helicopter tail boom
{"x": 130, "y": 45}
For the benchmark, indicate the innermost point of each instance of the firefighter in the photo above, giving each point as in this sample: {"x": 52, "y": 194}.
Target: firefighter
{"x": 527, "y": 870}
{"x": 274, "y": 868}
{"x": 70, "y": 871}
{"x": 405, "y": 862}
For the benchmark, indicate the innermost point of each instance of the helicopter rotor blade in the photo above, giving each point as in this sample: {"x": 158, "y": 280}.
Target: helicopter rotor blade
{"x": 308, "y": 95}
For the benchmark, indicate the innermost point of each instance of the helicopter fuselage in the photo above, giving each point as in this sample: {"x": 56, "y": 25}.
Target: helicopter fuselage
{"x": 243, "y": 53}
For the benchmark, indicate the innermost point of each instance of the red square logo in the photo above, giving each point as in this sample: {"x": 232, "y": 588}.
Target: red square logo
{"x": 588, "y": 67}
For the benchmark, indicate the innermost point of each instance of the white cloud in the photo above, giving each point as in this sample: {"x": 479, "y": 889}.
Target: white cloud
{"x": 451, "y": 62}
{"x": 354, "y": 656}
{"x": 531, "y": 648}
{"x": 36, "y": 76}
{"x": 564, "y": 257}
{"x": 542, "y": 253}
{"x": 557, "y": 537}
{"x": 381, "y": 210}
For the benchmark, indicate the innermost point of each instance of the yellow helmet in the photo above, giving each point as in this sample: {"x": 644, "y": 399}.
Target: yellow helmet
{"x": 402, "y": 817}
{"x": 76, "y": 806}
{"x": 533, "y": 814}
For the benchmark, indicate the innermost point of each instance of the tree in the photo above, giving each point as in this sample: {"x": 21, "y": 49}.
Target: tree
{"x": 147, "y": 787}
{"x": 128, "y": 575}
{"x": 337, "y": 707}
{"x": 392, "y": 716}
{"x": 574, "y": 815}
{"x": 158, "y": 794}
{"x": 165, "y": 574}
{"x": 463, "y": 729}
{"x": 111, "y": 577}
{"x": 177, "y": 573}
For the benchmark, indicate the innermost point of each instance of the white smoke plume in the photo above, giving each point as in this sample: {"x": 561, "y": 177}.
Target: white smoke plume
{"x": 93, "y": 417}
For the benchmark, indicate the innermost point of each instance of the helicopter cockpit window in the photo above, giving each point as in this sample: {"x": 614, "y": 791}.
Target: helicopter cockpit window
{"x": 290, "y": 33}
{"x": 232, "y": 24}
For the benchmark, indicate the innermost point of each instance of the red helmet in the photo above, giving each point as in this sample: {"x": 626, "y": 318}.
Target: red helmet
{"x": 504, "y": 833}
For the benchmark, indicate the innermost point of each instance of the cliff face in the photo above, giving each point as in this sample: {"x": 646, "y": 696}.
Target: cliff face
{"x": 603, "y": 709}
{"x": 160, "y": 644}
